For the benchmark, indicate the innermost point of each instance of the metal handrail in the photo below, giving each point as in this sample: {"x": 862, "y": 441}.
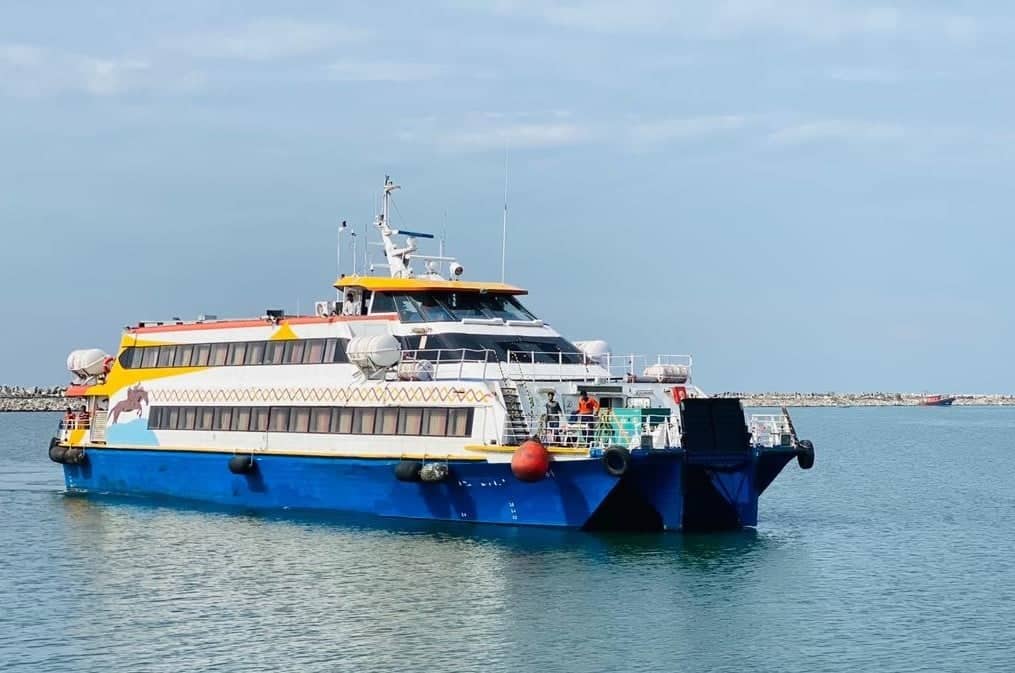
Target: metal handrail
{"x": 602, "y": 430}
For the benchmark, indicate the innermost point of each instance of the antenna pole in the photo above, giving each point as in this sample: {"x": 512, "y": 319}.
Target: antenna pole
{"x": 503, "y": 239}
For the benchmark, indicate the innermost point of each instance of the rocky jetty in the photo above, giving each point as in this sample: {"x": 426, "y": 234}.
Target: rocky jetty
{"x": 19, "y": 398}
{"x": 860, "y": 399}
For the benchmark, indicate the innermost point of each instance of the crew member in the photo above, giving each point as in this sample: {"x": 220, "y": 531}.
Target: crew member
{"x": 553, "y": 413}
{"x": 588, "y": 407}
{"x": 349, "y": 307}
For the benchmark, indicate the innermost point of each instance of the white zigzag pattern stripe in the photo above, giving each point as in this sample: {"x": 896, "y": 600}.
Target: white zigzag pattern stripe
{"x": 340, "y": 395}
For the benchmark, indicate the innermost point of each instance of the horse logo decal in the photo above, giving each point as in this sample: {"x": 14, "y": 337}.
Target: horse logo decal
{"x": 136, "y": 397}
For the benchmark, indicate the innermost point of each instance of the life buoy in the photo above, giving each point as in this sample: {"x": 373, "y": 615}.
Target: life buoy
{"x": 107, "y": 364}
{"x": 616, "y": 460}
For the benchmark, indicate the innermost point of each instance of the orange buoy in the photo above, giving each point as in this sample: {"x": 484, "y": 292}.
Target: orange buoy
{"x": 530, "y": 461}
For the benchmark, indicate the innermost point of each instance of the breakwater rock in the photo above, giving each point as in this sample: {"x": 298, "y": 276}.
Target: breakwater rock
{"x": 859, "y": 399}
{"x": 20, "y": 398}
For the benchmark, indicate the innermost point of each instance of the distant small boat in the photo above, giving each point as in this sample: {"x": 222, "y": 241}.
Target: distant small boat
{"x": 937, "y": 401}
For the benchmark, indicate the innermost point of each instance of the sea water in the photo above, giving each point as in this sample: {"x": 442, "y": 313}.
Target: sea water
{"x": 895, "y": 553}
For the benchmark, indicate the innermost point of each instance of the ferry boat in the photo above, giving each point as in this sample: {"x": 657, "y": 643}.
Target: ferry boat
{"x": 415, "y": 394}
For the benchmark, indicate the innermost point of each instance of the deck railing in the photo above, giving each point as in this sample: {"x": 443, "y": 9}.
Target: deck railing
{"x": 602, "y": 430}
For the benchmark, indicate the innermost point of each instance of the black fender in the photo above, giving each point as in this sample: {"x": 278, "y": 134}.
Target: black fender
{"x": 75, "y": 456}
{"x": 56, "y": 450}
{"x": 805, "y": 454}
{"x": 616, "y": 460}
{"x": 408, "y": 470}
{"x": 242, "y": 464}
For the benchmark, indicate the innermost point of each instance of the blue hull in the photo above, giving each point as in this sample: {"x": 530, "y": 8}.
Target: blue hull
{"x": 662, "y": 490}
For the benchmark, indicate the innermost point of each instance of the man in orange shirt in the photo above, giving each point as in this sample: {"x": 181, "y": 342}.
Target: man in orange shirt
{"x": 588, "y": 407}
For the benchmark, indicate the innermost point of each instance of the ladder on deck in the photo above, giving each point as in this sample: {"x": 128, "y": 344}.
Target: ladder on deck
{"x": 516, "y": 429}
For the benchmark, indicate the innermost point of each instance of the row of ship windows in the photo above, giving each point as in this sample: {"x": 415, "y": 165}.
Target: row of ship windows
{"x": 414, "y": 421}
{"x": 279, "y": 352}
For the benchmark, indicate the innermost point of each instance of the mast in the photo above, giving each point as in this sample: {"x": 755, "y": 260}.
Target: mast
{"x": 503, "y": 239}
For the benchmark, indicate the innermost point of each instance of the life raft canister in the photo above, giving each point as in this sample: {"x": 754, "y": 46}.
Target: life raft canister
{"x": 679, "y": 394}
{"x": 530, "y": 461}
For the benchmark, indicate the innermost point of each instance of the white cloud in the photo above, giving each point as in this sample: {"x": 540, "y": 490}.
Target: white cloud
{"x": 267, "y": 40}
{"x": 522, "y": 135}
{"x": 687, "y": 128}
{"x": 836, "y": 130}
{"x": 721, "y": 19}
{"x": 383, "y": 71}
{"x": 30, "y": 71}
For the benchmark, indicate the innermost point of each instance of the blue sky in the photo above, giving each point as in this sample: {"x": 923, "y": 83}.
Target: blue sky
{"x": 804, "y": 195}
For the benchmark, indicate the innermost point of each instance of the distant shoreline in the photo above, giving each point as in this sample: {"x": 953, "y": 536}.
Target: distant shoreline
{"x": 15, "y": 398}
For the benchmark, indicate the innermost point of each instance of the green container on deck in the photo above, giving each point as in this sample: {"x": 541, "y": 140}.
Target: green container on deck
{"x": 624, "y": 427}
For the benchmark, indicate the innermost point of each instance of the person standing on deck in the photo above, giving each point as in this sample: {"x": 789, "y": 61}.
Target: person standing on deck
{"x": 553, "y": 414}
{"x": 588, "y": 407}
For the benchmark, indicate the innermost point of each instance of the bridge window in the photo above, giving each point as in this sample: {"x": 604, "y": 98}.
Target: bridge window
{"x": 382, "y": 303}
{"x": 219, "y": 355}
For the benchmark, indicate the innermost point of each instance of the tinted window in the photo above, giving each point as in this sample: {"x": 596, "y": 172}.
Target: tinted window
{"x": 408, "y": 310}
{"x": 219, "y": 354}
{"x": 149, "y": 356}
{"x": 382, "y": 303}
{"x": 201, "y": 354}
{"x": 255, "y": 353}
{"x": 184, "y": 355}
{"x": 259, "y": 419}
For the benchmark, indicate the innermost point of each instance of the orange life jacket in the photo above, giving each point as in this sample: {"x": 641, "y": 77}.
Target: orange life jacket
{"x": 587, "y": 406}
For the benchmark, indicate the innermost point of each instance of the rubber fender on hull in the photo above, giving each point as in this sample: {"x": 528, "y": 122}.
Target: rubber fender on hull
{"x": 616, "y": 460}
{"x": 56, "y": 451}
{"x": 805, "y": 454}
{"x": 75, "y": 456}
{"x": 408, "y": 470}
{"x": 434, "y": 472}
{"x": 240, "y": 464}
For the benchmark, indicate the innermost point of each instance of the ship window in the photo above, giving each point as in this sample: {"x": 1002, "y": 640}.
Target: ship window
{"x": 237, "y": 351}
{"x": 259, "y": 419}
{"x": 341, "y": 421}
{"x": 184, "y": 354}
{"x": 464, "y": 305}
{"x": 294, "y": 352}
{"x": 201, "y": 353}
{"x": 458, "y": 422}
{"x": 189, "y": 418}
{"x": 329, "y": 349}
{"x": 219, "y": 355}
{"x": 154, "y": 416}
{"x": 435, "y": 422}
{"x": 410, "y": 421}
{"x": 274, "y": 352}
{"x": 314, "y": 352}
{"x": 241, "y": 419}
{"x": 166, "y": 354}
{"x": 387, "y": 422}
{"x": 506, "y": 307}
{"x": 299, "y": 419}
{"x": 382, "y": 303}
{"x": 205, "y": 418}
{"x": 149, "y": 356}
{"x": 278, "y": 419}
{"x": 432, "y": 310}
{"x": 363, "y": 422}
{"x": 320, "y": 419}
{"x": 255, "y": 353}
{"x": 173, "y": 421}
{"x": 130, "y": 358}
{"x": 340, "y": 353}
{"x": 223, "y": 418}
{"x": 408, "y": 310}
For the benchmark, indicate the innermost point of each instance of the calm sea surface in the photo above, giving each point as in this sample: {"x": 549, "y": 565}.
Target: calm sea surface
{"x": 895, "y": 553}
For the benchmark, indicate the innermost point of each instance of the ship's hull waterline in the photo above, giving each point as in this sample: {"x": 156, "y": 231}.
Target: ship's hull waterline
{"x": 660, "y": 491}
